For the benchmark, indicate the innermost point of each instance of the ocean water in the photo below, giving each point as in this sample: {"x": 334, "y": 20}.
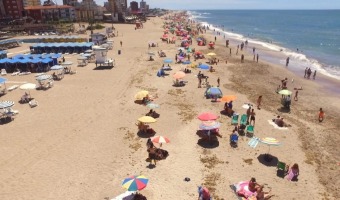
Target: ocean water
{"x": 316, "y": 33}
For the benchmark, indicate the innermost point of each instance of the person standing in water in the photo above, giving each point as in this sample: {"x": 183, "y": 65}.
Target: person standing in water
{"x": 287, "y": 61}
{"x": 314, "y": 75}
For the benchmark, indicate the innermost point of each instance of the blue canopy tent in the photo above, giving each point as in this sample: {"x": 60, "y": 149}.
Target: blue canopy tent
{"x": 213, "y": 92}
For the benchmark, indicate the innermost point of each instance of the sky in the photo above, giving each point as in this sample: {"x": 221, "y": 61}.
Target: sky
{"x": 237, "y": 4}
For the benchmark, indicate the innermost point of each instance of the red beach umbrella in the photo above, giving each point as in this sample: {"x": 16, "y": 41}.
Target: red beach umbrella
{"x": 206, "y": 116}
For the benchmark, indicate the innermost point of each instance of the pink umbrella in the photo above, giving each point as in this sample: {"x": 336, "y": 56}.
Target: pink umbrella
{"x": 179, "y": 75}
{"x": 160, "y": 139}
{"x": 206, "y": 116}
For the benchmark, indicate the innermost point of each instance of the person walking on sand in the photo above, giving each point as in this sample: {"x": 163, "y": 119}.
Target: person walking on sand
{"x": 218, "y": 82}
{"x": 259, "y": 100}
{"x": 314, "y": 75}
{"x": 287, "y": 61}
{"x": 321, "y": 115}
{"x": 248, "y": 114}
{"x": 215, "y": 38}
{"x": 242, "y": 58}
{"x": 121, "y": 43}
{"x": 230, "y": 51}
{"x": 257, "y": 58}
{"x": 296, "y": 95}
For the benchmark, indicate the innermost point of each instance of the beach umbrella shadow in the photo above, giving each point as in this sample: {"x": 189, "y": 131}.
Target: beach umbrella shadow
{"x": 268, "y": 160}
{"x": 283, "y": 110}
{"x": 141, "y": 134}
{"x": 140, "y": 102}
{"x": 5, "y": 120}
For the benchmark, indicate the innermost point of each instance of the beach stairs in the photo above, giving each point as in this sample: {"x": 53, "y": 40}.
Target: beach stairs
{"x": 234, "y": 120}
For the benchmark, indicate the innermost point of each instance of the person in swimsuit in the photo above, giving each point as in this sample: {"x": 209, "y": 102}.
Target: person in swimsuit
{"x": 261, "y": 195}
{"x": 252, "y": 117}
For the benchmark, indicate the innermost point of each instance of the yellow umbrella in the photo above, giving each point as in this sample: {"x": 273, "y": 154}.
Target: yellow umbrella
{"x": 211, "y": 54}
{"x": 147, "y": 119}
{"x": 141, "y": 94}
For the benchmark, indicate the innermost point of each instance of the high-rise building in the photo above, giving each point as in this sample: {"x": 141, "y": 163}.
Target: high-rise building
{"x": 70, "y": 2}
{"x": 2, "y": 9}
{"x": 14, "y": 9}
{"x": 134, "y": 6}
{"x": 31, "y": 3}
{"x": 142, "y": 5}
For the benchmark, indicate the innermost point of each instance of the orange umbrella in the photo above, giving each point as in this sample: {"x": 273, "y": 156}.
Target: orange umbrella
{"x": 227, "y": 98}
{"x": 198, "y": 52}
{"x": 179, "y": 75}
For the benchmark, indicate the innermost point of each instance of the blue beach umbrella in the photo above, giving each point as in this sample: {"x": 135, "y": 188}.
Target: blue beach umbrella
{"x": 2, "y": 80}
{"x": 186, "y": 62}
{"x": 204, "y": 67}
{"x": 167, "y": 60}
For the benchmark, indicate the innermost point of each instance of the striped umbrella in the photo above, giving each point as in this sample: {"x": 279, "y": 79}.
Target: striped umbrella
{"x": 160, "y": 139}
{"x": 6, "y": 104}
{"x": 209, "y": 125}
{"x": 270, "y": 142}
{"x": 134, "y": 183}
{"x": 44, "y": 77}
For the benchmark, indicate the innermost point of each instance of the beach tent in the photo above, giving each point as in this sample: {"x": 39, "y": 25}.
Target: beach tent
{"x": 213, "y": 92}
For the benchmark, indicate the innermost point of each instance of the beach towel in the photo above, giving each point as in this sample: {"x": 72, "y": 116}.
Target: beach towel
{"x": 253, "y": 142}
{"x": 242, "y": 191}
{"x": 246, "y": 105}
{"x": 276, "y": 126}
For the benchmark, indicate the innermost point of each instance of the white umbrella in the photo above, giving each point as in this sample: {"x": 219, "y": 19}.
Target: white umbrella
{"x": 57, "y": 67}
{"x": 6, "y": 104}
{"x": 67, "y": 63}
{"x": 28, "y": 86}
{"x": 44, "y": 77}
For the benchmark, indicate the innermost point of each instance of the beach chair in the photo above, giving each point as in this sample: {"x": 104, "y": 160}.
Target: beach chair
{"x": 281, "y": 169}
{"x": 250, "y": 131}
{"x": 233, "y": 140}
{"x": 234, "y": 120}
{"x": 33, "y": 103}
{"x": 243, "y": 120}
{"x": 3, "y": 72}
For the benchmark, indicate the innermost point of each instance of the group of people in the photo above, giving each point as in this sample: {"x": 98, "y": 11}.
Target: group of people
{"x": 308, "y": 73}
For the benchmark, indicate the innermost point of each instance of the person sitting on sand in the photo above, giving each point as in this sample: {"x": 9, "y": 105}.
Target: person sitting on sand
{"x": 276, "y": 119}
{"x": 280, "y": 122}
{"x": 261, "y": 195}
{"x": 293, "y": 172}
{"x": 253, "y": 185}
{"x": 211, "y": 69}
{"x": 151, "y": 58}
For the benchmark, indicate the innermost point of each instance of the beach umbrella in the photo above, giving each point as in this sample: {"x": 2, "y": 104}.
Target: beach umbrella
{"x": 147, "y": 119}
{"x": 167, "y": 60}
{"x": 6, "y": 104}
{"x": 57, "y": 67}
{"x": 212, "y": 54}
{"x": 160, "y": 139}
{"x": 179, "y": 75}
{"x": 152, "y": 105}
{"x": 186, "y": 62}
{"x": 28, "y": 86}
{"x": 44, "y": 77}
{"x": 270, "y": 142}
{"x": 135, "y": 183}
{"x": 204, "y": 67}
{"x": 213, "y": 91}
{"x": 67, "y": 63}
{"x": 141, "y": 94}
{"x": 151, "y": 53}
{"x": 228, "y": 98}
{"x": 2, "y": 80}
{"x": 198, "y": 52}
{"x": 285, "y": 92}
{"x": 207, "y": 116}
{"x": 209, "y": 125}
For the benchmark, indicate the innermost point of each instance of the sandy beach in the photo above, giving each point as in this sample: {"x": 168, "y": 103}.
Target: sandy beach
{"x": 81, "y": 141}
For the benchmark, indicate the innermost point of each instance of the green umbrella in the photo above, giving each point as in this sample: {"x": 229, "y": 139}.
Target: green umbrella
{"x": 285, "y": 92}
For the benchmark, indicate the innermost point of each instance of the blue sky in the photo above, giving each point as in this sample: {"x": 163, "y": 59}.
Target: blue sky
{"x": 239, "y": 4}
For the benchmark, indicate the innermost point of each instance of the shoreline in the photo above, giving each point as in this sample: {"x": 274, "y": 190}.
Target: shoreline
{"x": 82, "y": 141}
{"x": 301, "y": 115}
{"x": 273, "y": 55}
